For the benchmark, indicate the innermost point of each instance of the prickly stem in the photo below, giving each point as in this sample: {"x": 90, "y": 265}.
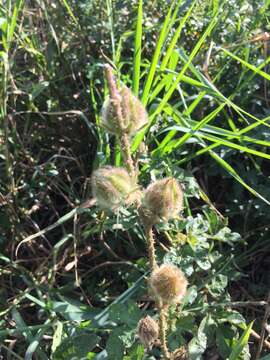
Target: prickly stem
{"x": 163, "y": 329}
{"x": 126, "y": 151}
{"x": 151, "y": 247}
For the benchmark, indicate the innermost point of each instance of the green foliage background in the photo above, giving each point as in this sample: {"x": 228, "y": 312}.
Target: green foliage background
{"x": 72, "y": 293}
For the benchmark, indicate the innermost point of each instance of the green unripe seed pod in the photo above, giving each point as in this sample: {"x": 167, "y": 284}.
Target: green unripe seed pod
{"x": 112, "y": 187}
{"x": 163, "y": 199}
{"x": 134, "y": 115}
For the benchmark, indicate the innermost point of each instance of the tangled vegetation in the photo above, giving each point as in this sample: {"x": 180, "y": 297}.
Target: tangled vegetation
{"x": 134, "y": 211}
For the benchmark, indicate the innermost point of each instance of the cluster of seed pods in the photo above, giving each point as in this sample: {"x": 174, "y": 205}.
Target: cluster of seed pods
{"x": 123, "y": 115}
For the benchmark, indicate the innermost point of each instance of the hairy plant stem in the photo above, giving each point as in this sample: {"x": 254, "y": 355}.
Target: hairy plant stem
{"x": 161, "y": 308}
{"x": 116, "y": 103}
{"x": 162, "y": 329}
{"x": 150, "y": 246}
{"x": 126, "y": 151}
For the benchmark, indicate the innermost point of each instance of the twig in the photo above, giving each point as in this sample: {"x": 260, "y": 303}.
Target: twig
{"x": 103, "y": 242}
{"x": 257, "y": 337}
{"x": 264, "y": 323}
{"x": 107, "y": 263}
{"x": 75, "y": 242}
{"x": 230, "y": 304}
{"x": 63, "y": 219}
{"x": 207, "y": 61}
{"x": 11, "y": 352}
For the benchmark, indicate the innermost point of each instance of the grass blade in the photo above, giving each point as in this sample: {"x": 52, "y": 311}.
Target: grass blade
{"x": 137, "y": 50}
{"x": 241, "y": 343}
{"x": 175, "y": 38}
{"x": 174, "y": 85}
{"x": 13, "y": 23}
{"x": 70, "y": 12}
{"x": 110, "y": 18}
{"x": 152, "y": 70}
{"x": 248, "y": 65}
{"x": 233, "y": 173}
{"x": 185, "y": 67}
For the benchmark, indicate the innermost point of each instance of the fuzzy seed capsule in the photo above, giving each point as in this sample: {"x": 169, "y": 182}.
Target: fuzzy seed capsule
{"x": 163, "y": 199}
{"x": 148, "y": 331}
{"x": 112, "y": 187}
{"x": 134, "y": 115}
{"x": 180, "y": 354}
{"x": 168, "y": 284}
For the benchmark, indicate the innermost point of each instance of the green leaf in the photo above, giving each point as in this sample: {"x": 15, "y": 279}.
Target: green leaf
{"x": 218, "y": 285}
{"x": 156, "y": 56}
{"x": 227, "y": 236}
{"x": 137, "y": 50}
{"x": 115, "y": 345}
{"x": 231, "y": 316}
{"x": 74, "y": 310}
{"x": 245, "y": 63}
{"x": 38, "y": 88}
{"x": 138, "y": 353}
{"x": 102, "y": 318}
{"x": 33, "y": 340}
{"x": 243, "y": 341}
{"x": 12, "y": 25}
{"x": 185, "y": 67}
{"x": 198, "y": 344}
{"x": 128, "y": 314}
{"x": 69, "y": 10}
{"x": 33, "y": 346}
{"x": 224, "y": 334}
{"x": 57, "y": 337}
{"x": 175, "y": 38}
{"x": 76, "y": 347}
{"x": 267, "y": 357}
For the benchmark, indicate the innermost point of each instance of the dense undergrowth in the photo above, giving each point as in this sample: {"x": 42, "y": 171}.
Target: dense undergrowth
{"x": 73, "y": 279}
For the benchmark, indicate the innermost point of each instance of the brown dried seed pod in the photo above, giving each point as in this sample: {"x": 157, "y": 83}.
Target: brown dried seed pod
{"x": 180, "y": 354}
{"x": 163, "y": 199}
{"x": 148, "y": 331}
{"x": 134, "y": 115}
{"x": 112, "y": 187}
{"x": 168, "y": 284}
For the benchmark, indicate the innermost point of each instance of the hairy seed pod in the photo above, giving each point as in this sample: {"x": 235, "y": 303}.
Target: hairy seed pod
{"x": 163, "y": 199}
{"x": 134, "y": 115}
{"x": 180, "y": 354}
{"x": 168, "y": 284}
{"x": 148, "y": 331}
{"x": 112, "y": 187}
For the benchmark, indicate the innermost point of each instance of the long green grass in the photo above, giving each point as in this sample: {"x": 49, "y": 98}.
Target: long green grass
{"x": 69, "y": 274}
